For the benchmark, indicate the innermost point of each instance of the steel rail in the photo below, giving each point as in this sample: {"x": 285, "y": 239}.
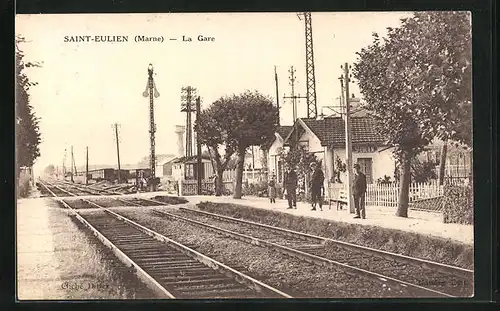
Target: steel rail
{"x": 86, "y": 187}
{"x": 322, "y": 240}
{"x": 141, "y": 274}
{"x": 215, "y": 265}
{"x": 382, "y": 279}
{"x": 128, "y": 202}
{"x": 448, "y": 269}
{"x": 431, "y": 265}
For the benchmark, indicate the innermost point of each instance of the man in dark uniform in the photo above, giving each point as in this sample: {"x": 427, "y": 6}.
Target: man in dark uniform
{"x": 358, "y": 191}
{"x": 290, "y": 183}
{"x": 317, "y": 180}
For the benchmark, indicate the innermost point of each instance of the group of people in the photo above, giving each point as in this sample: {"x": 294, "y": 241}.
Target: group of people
{"x": 290, "y": 183}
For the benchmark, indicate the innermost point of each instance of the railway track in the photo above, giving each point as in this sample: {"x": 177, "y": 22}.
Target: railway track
{"x": 113, "y": 201}
{"x": 169, "y": 268}
{"x": 92, "y": 190}
{"x": 443, "y": 278}
{"x": 424, "y": 278}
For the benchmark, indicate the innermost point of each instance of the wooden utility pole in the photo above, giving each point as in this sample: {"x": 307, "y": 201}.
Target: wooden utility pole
{"x": 294, "y": 98}
{"x": 64, "y": 165}
{"x": 253, "y": 159}
{"x": 442, "y": 162}
{"x": 72, "y": 162}
{"x": 188, "y": 93}
{"x": 118, "y": 151}
{"x": 87, "y": 166}
{"x": 199, "y": 165}
{"x": 348, "y": 143}
{"x": 277, "y": 94}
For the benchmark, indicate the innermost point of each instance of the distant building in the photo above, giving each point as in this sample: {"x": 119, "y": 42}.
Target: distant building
{"x": 161, "y": 159}
{"x": 160, "y": 165}
{"x": 326, "y": 139}
{"x": 274, "y": 163}
{"x": 185, "y": 168}
{"x": 458, "y": 165}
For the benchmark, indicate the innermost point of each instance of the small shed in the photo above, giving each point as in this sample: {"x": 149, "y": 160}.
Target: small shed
{"x": 185, "y": 168}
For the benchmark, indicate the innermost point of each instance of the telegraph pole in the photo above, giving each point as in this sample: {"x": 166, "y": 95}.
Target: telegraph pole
{"x": 198, "y": 148}
{"x": 277, "y": 94}
{"x": 348, "y": 143}
{"x": 294, "y": 98}
{"x": 72, "y": 163}
{"x": 118, "y": 151}
{"x": 253, "y": 159}
{"x": 188, "y": 93}
{"x": 153, "y": 93}
{"x": 64, "y": 165}
{"x": 87, "y": 167}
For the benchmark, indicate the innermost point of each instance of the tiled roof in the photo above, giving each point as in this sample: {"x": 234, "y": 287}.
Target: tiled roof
{"x": 331, "y": 131}
{"x": 191, "y": 159}
{"x": 284, "y": 130}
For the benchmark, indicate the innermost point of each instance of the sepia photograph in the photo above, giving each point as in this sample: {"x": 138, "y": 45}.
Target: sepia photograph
{"x": 244, "y": 156}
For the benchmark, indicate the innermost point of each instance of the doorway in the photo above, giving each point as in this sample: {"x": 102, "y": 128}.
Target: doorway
{"x": 366, "y": 166}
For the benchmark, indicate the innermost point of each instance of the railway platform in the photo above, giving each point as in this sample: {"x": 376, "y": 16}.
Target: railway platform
{"x": 37, "y": 265}
{"x": 427, "y": 223}
{"x": 48, "y": 245}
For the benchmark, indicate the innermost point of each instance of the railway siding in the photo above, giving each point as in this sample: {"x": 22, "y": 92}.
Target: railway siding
{"x": 171, "y": 269}
{"x": 350, "y": 262}
{"x": 404, "y": 275}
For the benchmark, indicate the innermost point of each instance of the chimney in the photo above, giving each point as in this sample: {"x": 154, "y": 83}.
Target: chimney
{"x": 179, "y": 130}
{"x": 356, "y": 107}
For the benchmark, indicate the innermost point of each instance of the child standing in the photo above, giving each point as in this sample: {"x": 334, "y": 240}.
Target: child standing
{"x": 272, "y": 190}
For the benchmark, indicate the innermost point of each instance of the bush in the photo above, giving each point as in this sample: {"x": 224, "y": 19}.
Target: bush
{"x": 458, "y": 205}
{"x": 386, "y": 180}
{"x": 259, "y": 189}
{"x": 23, "y": 185}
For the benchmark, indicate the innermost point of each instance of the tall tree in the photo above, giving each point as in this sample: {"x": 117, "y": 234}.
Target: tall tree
{"x": 258, "y": 123}
{"x": 214, "y": 129}
{"x": 417, "y": 83}
{"x": 27, "y": 129}
{"x": 234, "y": 123}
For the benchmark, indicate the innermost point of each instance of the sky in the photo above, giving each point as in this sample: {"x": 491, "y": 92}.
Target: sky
{"x": 85, "y": 87}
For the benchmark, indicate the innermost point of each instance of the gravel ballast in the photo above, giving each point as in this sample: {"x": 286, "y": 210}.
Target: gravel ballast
{"x": 80, "y": 266}
{"x": 293, "y": 276}
{"x": 391, "y": 240}
{"x": 414, "y": 274}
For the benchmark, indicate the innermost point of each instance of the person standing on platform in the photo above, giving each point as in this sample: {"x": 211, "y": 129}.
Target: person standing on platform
{"x": 290, "y": 182}
{"x": 317, "y": 180}
{"x": 215, "y": 184}
{"x": 272, "y": 190}
{"x": 358, "y": 192}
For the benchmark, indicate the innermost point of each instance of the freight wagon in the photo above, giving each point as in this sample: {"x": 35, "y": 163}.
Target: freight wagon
{"x": 103, "y": 174}
{"x": 124, "y": 175}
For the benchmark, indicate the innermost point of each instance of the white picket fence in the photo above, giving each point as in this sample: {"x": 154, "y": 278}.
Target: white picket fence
{"x": 387, "y": 195}
{"x": 250, "y": 176}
